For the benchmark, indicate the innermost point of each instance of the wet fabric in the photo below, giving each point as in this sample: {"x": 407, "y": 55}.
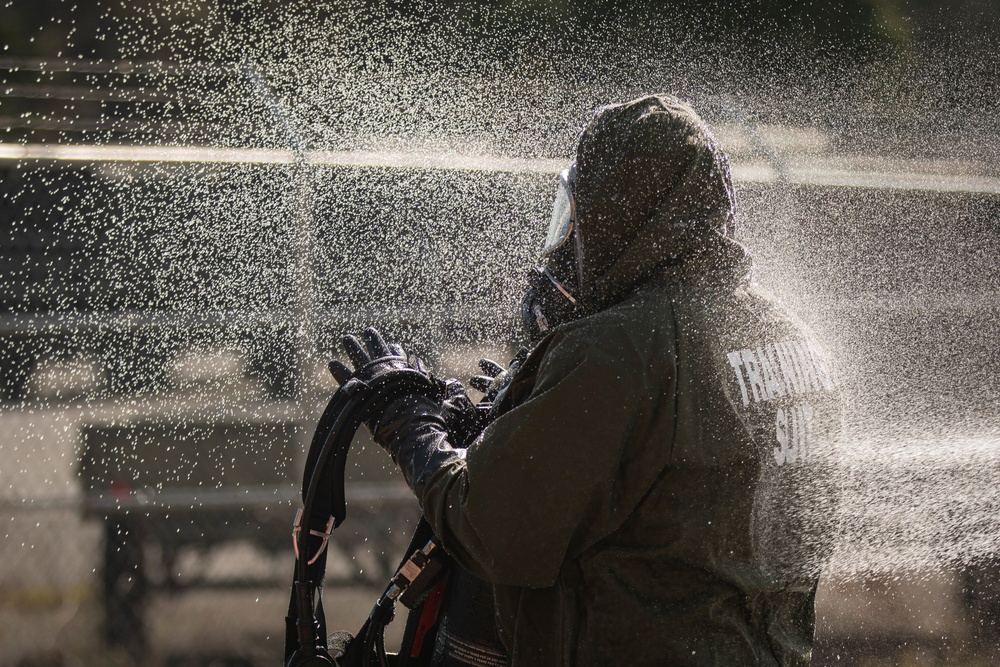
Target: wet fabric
{"x": 653, "y": 491}
{"x": 652, "y": 186}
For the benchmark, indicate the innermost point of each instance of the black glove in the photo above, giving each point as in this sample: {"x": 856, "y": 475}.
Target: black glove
{"x": 464, "y": 419}
{"x": 496, "y": 379}
{"x": 487, "y": 383}
{"x": 415, "y": 421}
{"x": 414, "y": 430}
{"x": 388, "y": 366}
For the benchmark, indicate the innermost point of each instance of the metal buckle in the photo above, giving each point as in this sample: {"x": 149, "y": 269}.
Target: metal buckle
{"x": 411, "y": 569}
{"x": 297, "y": 528}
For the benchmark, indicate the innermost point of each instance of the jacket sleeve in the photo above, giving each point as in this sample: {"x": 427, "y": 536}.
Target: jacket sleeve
{"x": 552, "y": 476}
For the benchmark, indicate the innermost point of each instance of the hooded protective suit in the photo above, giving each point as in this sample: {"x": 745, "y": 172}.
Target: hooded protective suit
{"x": 652, "y": 492}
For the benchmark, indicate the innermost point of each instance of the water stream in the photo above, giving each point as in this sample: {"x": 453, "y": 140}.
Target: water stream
{"x": 189, "y": 225}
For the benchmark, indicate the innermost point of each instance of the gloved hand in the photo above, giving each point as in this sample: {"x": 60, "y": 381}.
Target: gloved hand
{"x": 415, "y": 431}
{"x": 397, "y": 375}
{"x": 413, "y": 423}
{"x": 496, "y": 379}
{"x": 487, "y": 383}
{"x": 463, "y": 418}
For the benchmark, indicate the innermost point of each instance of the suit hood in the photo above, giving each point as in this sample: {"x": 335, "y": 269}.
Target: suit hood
{"x": 652, "y": 190}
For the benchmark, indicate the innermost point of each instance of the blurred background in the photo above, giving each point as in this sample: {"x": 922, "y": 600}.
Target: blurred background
{"x": 200, "y": 198}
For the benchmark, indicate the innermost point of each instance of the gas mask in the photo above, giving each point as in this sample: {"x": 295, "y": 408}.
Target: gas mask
{"x": 554, "y": 285}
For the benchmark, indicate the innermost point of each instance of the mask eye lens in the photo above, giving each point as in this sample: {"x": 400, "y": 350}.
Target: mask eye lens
{"x": 562, "y": 215}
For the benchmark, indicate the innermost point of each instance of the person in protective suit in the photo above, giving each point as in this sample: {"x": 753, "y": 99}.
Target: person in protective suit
{"x": 653, "y": 489}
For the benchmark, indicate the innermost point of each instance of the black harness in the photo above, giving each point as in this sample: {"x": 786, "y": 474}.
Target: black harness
{"x": 324, "y": 509}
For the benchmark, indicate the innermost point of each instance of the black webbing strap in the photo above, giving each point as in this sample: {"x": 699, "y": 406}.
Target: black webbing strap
{"x": 355, "y": 653}
{"x": 412, "y": 629}
{"x": 338, "y": 423}
{"x": 324, "y": 498}
{"x": 314, "y": 579}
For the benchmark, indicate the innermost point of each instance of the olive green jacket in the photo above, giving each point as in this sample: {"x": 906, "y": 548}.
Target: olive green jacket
{"x": 654, "y": 489}
{"x": 653, "y": 496}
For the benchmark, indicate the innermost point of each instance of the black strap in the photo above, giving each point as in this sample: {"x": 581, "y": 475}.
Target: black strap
{"x": 314, "y": 579}
{"x": 380, "y": 613}
{"x": 324, "y": 496}
{"x": 333, "y": 428}
{"x": 422, "y": 533}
